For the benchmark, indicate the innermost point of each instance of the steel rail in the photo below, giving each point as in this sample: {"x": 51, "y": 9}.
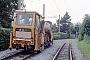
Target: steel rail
{"x": 56, "y": 55}
{"x": 27, "y": 56}
{"x": 70, "y": 53}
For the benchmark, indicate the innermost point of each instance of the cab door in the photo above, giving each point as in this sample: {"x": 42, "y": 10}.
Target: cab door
{"x": 37, "y": 33}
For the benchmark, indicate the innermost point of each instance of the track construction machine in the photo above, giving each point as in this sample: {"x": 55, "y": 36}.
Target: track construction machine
{"x": 30, "y": 32}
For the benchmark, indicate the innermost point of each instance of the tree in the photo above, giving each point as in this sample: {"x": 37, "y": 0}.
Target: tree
{"x": 7, "y": 8}
{"x": 86, "y": 24}
{"x": 77, "y": 28}
{"x": 54, "y": 28}
{"x": 85, "y": 27}
{"x": 81, "y": 32}
{"x": 64, "y": 23}
{"x": 65, "y": 18}
{"x": 72, "y": 28}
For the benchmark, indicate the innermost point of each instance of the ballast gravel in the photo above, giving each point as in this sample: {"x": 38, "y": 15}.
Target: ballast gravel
{"x": 8, "y": 52}
{"x": 49, "y": 53}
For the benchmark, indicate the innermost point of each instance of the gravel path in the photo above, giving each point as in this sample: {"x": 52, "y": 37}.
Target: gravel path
{"x": 49, "y": 53}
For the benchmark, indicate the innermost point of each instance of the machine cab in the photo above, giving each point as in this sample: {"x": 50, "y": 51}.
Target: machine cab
{"x": 25, "y": 27}
{"x": 26, "y": 21}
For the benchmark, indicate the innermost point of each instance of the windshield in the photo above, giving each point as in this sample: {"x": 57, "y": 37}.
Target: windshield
{"x": 24, "y": 19}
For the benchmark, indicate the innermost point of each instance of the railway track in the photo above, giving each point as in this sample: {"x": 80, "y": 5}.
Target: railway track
{"x": 27, "y": 56}
{"x": 22, "y": 55}
{"x": 64, "y": 53}
{"x": 19, "y": 56}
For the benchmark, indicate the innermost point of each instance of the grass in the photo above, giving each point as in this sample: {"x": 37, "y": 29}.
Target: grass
{"x": 84, "y": 46}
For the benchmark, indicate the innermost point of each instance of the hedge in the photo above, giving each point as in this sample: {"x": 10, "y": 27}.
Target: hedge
{"x": 62, "y": 36}
{"x": 4, "y": 38}
{"x": 72, "y": 36}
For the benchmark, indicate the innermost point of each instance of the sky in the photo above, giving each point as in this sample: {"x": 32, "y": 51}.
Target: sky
{"x": 76, "y": 8}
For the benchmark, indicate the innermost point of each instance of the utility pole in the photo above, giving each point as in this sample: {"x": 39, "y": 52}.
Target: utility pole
{"x": 59, "y": 23}
{"x": 21, "y": 4}
{"x": 42, "y": 41}
{"x": 43, "y": 11}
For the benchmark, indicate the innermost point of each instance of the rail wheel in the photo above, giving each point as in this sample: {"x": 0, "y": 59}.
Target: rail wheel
{"x": 25, "y": 48}
{"x": 51, "y": 42}
{"x": 41, "y": 47}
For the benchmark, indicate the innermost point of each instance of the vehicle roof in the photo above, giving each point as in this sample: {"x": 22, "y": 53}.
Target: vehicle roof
{"x": 24, "y": 11}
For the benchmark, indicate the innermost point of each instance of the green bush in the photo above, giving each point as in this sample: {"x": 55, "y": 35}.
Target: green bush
{"x": 72, "y": 36}
{"x": 55, "y": 33}
{"x": 60, "y": 36}
{"x": 80, "y": 37}
{"x": 56, "y": 37}
{"x": 4, "y": 38}
{"x": 87, "y": 38}
{"x": 63, "y": 35}
{"x": 84, "y": 46}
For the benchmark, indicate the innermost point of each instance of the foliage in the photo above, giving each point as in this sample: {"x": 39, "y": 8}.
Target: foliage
{"x": 54, "y": 28}
{"x": 80, "y": 37}
{"x": 0, "y": 25}
{"x": 7, "y": 8}
{"x": 72, "y": 36}
{"x": 87, "y": 38}
{"x": 85, "y": 48}
{"x": 56, "y": 37}
{"x": 60, "y": 36}
{"x": 77, "y": 26}
{"x": 84, "y": 27}
{"x": 4, "y": 38}
{"x": 86, "y": 24}
{"x": 64, "y": 23}
{"x": 65, "y": 18}
{"x": 72, "y": 29}
{"x": 81, "y": 32}
{"x": 84, "y": 35}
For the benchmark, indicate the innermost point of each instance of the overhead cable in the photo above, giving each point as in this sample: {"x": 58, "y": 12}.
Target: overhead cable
{"x": 65, "y": 5}
{"x": 49, "y": 11}
{"x": 56, "y": 6}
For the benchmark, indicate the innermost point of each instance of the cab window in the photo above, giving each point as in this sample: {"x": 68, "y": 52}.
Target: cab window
{"x": 37, "y": 21}
{"x": 24, "y": 19}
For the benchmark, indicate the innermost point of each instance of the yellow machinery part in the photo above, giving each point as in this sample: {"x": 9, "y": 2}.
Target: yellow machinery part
{"x": 11, "y": 38}
{"x": 42, "y": 39}
{"x": 37, "y": 44}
